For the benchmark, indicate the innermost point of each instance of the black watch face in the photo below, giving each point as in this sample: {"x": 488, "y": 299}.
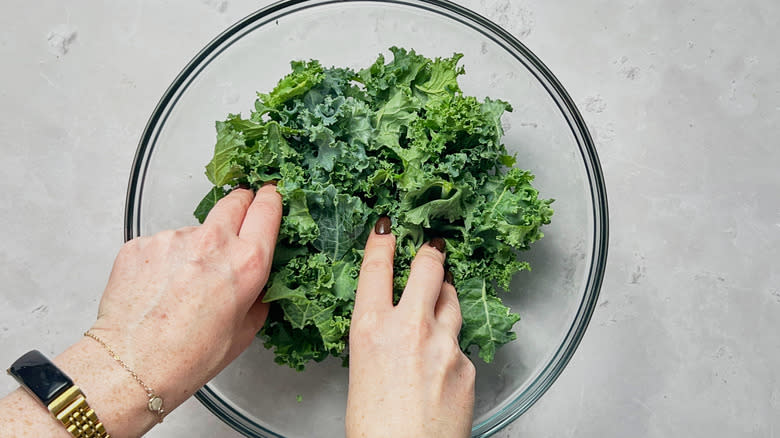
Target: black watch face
{"x": 40, "y": 376}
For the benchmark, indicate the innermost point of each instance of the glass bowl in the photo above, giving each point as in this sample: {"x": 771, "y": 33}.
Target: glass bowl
{"x": 261, "y": 399}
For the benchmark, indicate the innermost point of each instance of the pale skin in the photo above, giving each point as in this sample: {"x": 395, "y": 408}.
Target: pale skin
{"x": 407, "y": 375}
{"x": 181, "y": 305}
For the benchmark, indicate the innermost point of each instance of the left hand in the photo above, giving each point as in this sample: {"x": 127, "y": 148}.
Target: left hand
{"x": 181, "y": 305}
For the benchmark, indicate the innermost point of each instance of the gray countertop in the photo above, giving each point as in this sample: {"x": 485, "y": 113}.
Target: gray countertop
{"x": 683, "y": 101}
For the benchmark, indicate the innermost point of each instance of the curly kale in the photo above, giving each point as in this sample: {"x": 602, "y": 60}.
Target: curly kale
{"x": 399, "y": 139}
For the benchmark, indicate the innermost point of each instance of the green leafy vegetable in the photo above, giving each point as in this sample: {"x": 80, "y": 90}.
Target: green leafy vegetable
{"x": 208, "y": 202}
{"x": 486, "y": 321}
{"x": 400, "y": 139}
{"x": 222, "y": 169}
{"x": 341, "y": 219}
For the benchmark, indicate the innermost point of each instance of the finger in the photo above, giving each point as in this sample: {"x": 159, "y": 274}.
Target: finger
{"x": 425, "y": 278}
{"x": 447, "y": 309}
{"x": 375, "y": 283}
{"x": 229, "y": 211}
{"x": 256, "y": 316}
{"x": 261, "y": 224}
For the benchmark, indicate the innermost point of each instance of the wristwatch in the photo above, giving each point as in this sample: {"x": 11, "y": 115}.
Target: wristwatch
{"x": 44, "y": 381}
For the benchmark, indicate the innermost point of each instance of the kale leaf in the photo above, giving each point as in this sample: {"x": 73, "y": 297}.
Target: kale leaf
{"x": 398, "y": 138}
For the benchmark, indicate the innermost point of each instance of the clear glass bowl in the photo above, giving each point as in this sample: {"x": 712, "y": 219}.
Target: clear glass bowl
{"x": 256, "y": 396}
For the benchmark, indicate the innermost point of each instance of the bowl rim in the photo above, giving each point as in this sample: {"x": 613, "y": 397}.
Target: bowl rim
{"x": 240, "y": 420}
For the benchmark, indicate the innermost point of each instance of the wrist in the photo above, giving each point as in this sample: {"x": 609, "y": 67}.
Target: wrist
{"x": 170, "y": 375}
{"x": 118, "y": 400}
{"x": 21, "y": 414}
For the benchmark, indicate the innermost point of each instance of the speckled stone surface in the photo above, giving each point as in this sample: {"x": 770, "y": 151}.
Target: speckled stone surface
{"x": 683, "y": 101}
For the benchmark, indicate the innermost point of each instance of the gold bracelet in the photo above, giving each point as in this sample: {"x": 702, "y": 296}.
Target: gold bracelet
{"x": 155, "y": 404}
{"x": 73, "y": 411}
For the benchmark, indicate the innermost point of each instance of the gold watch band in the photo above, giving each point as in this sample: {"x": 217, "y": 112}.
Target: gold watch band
{"x": 79, "y": 419}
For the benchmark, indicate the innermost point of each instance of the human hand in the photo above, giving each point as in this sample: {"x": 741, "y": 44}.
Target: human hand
{"x": 407, "y": 374}
{"x": 180, "y": 305}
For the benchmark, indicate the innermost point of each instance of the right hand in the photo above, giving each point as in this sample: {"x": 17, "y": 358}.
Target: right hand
{"x": 407, "y": 374}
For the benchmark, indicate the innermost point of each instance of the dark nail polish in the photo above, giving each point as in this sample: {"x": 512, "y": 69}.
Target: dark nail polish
{"x": 448, "y": 278}
{"x": 438, "y": 243}
{"x": 383, "y": 225}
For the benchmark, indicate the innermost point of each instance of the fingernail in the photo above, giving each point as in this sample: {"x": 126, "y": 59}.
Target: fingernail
{"x": 448, "y": 278}
{"x": 243, "y": 186}
{"x": 438, "y": 243}
{"x": 383, "y": 225}
{"x": 273, "y": 182}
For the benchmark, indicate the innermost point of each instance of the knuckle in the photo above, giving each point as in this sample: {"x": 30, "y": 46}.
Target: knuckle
{"x": 426, "y": 261}
{"x": 452, "y": 304}
{"x": 185, "y": 231}
{"x": 269, "y": 206}
{"x": 427, "y": 250}
{"x": 181, "y": 233}
{"x": 182, "y": 236}
{"x": 254, "y": 258}
{"x": 449, "y": 289}
{"x": 454, "y": 347}
{"x": 368, "y": 320}
{"x": 165, "y": 236}
{"x": 454, "y": 354}
{"x": 162, "y": 242}
{"x": 450, "y": 360}
{"x": 210, "y": 238}
{"x": 364, "y": 328}
{"x": 448, "y": 355}
{"x": 237, "y": 201}
{"x": 375, "y": 264}
{"x": 467, "y": 369}
{"x": 244, "y": 197}
{"x": 254, "y": 254}
{"x": 470, "y": 370}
